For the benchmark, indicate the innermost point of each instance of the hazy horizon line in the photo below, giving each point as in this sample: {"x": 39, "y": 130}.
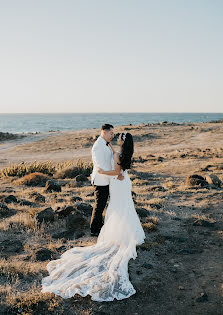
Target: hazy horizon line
{"x": 138, "y": 112}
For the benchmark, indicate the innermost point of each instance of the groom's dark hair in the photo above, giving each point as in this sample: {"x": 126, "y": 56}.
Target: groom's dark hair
{"x": 106, "y": 127}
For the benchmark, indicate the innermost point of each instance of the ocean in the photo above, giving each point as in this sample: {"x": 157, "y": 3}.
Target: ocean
{"x": 26, "y": 123}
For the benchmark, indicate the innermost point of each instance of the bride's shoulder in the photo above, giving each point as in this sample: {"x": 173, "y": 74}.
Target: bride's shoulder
{"x": 117, "y": 156}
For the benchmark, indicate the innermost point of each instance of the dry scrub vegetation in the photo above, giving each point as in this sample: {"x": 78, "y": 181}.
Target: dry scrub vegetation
{"x": 45, "y": 209}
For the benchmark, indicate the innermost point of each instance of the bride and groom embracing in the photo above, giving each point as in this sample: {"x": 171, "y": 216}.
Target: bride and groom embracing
{"x": 101, "y": 270}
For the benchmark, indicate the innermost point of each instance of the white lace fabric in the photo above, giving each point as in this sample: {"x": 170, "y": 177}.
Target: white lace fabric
{"x": 101, "y": 270}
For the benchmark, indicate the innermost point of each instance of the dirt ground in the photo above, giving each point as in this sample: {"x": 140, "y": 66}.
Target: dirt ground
{"x": 178, "y": 269}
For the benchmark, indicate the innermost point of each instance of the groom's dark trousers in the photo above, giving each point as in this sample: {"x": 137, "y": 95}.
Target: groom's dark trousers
{"x": 101, "y": 196}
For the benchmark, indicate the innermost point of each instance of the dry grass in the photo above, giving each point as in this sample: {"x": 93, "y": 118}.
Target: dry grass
{"x": 72, "y": 170}
{"x": 203, "y": 217}
{"x": 151, "y": 224}
{"x": 30, "y": 300}
{"x": 47, "y": 167}
{"x": 23, "y": 169}
{"x": 171, "y": 213}
{"x": 33, "y": 179}
{"x": 21, "y": 220}
{"x": 169, "y": 184}
{"x": 20, "y": 268}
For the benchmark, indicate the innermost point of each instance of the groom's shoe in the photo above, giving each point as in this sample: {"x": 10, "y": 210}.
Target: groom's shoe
{"x": 94, "y": 234}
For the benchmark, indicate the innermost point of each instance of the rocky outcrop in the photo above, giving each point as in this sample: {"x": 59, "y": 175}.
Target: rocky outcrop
{"x": 85, "y": 208}
{"x": 37, "y": 197}
{"x": 213, "y": 180}
{"x": 196, "y": 181}
{"x": 46, "y": 215}
{"x": 64, "y": 211}
{"x": 52, "y": 186}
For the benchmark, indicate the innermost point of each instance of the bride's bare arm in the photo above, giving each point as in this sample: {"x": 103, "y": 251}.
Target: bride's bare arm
{"x": 116, "y": 171}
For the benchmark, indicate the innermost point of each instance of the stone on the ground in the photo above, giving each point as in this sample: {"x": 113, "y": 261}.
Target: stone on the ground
{"x": 37, "y": 197}
{"x": 76, "y": 222}
{"x": 52, "y": 186}
{"x": 142, "y": 212}
{"x": 75, "y": 198}
{"x": 23, "y": 202}
{"x": 85, "y": 208}
{"x": 81, "y": 178}
{"x": 9, "y": 199}
{"x": 10, "y": 246}
{"x": 65, "y": 211}
{"x": 156, "y": 188}
{"x": 196, "y": 181}
{"x": 43, "y": 254}
{"x": 213, "y": 180}
{"x": 46, "y": 215}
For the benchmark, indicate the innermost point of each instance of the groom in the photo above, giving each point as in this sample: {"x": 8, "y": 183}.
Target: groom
{"x": 102, "y": 156}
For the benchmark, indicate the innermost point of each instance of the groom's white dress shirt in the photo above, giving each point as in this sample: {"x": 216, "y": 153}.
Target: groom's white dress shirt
{"x": 102, "y": 156}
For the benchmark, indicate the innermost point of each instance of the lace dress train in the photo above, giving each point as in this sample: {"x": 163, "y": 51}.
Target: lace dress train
{"x": 101, "y": 270}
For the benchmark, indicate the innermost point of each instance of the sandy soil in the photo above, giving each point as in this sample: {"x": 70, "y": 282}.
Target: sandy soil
{"x": 178, "y": 269}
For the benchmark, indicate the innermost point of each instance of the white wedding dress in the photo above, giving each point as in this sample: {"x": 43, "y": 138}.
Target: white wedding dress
{"x": 101, "y": 270}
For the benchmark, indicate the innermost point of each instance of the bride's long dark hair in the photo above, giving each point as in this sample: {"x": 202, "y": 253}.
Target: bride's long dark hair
{"x": 127, "y": 151}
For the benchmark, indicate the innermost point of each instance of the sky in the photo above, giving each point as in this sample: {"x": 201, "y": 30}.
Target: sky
{"x": 111, "y": 56}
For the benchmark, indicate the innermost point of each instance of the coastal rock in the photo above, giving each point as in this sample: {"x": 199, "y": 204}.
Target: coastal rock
{"x": 10, "y": 246}
{"x": 213, "y": 180}
{"x": 46, "y": 215}
{"x": 85, "y": 208}
{"x": 5, "y": 211}
{"x": 75, "y": 199}
{"x": 160, "y": 159}
{"x": 3, "y": 207}
{"x": 142, "y": 212}
{"x": 76, "y": 222}
{"x": 24, "y": 202}
{"x": 52, "y": 186}
{"x": 81, "y": 178}
{"x": 79, "y": 181}
{"x": 9, "y": 199}
{"x": 156, "y": 188}
{"x": 65, "y": 211}
{"x": 43, "y": 254}
{"x": 9, "y": 136}
{"x": 196, "y": 181}
{"x": 37, "y": 197}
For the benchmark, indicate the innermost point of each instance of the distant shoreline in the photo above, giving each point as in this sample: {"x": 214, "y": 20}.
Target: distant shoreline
{"x": 75, "y": 144}
{"x": 4, "y": 136}
{"x": 26, "y": 124}
{"x": 7, "y": 136}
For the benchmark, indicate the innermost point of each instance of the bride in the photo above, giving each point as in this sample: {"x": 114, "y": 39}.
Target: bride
{"x": 101, "y": 270}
